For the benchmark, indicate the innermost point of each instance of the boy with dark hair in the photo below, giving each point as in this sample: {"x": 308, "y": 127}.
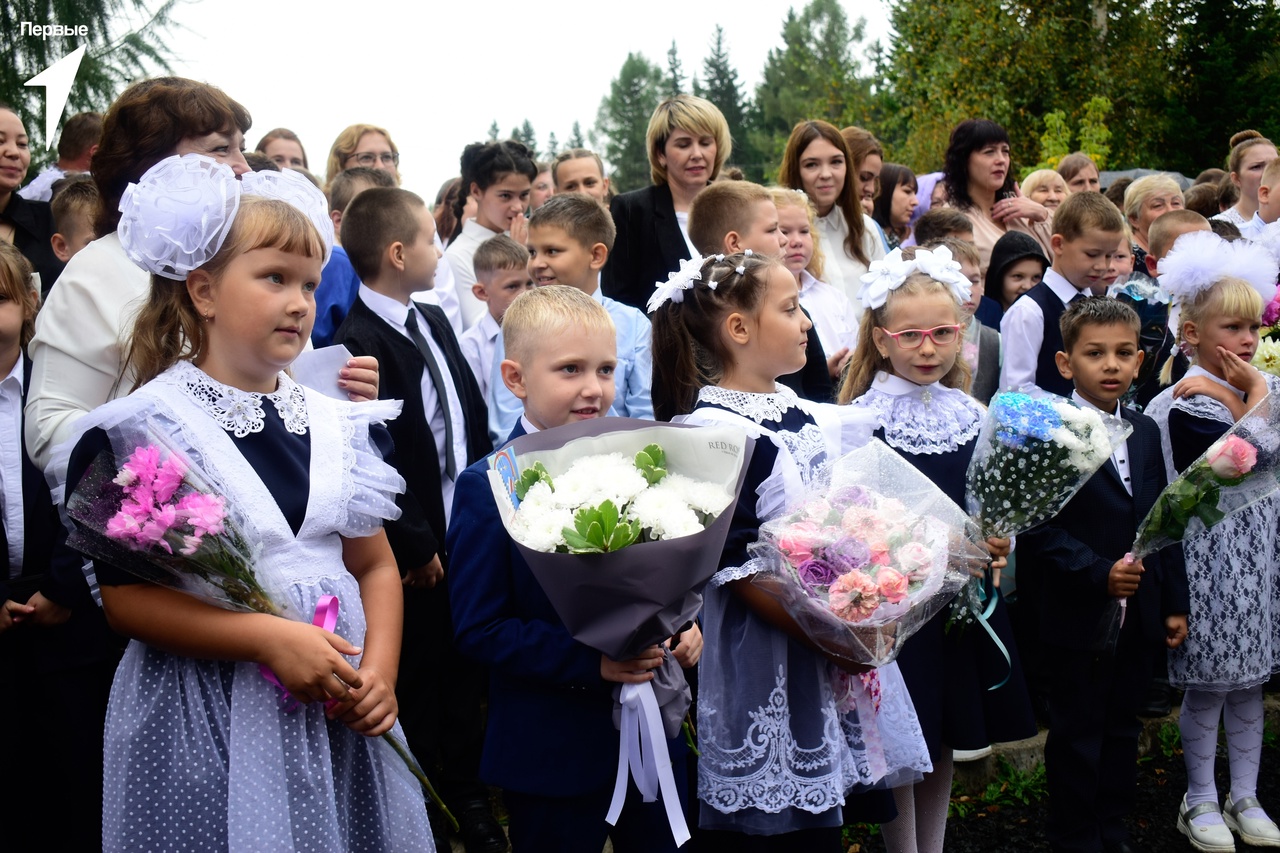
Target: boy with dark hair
{"x": 388, "y": 234}
{"x": 1097, "y": 679}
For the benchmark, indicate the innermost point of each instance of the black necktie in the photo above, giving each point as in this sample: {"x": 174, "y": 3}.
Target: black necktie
{"x": 442, "y": 390}
{"x": 1080, "y": 295}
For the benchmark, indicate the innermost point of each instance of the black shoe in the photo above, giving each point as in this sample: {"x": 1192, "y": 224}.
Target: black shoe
{"x": 480, "y": 830}
{"x": 1159, "y": 701}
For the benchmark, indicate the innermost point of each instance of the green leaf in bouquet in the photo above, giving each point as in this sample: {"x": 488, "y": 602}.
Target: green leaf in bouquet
{"x": 651, "y": 462}
{"x": 600, "y": 529}
{"x": 537, "y": 472}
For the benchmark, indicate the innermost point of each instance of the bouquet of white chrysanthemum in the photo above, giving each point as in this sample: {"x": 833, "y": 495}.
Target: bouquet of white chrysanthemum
{"x": 622, "y": 523}
{"x": 1267, "y": 358}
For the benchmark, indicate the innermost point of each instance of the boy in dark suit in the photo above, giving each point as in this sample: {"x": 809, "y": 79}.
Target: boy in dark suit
{"x": 1095, "y": 687}
{"x": 551, "y": 744}
{"x": 388, "y": 234}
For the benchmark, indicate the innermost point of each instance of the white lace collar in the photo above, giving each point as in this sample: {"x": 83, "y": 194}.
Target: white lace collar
{"x": 922, "y": 418}
{"x": 240, "y": 412}
{"x": 757, "y": 407}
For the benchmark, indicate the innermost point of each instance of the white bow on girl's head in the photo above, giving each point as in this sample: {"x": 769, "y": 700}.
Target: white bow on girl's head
{"x": 1200, "y": 259}
{"x": 178, "y": 214}
{"x": 689, "y": 274}
{"x": 885, "y": 276}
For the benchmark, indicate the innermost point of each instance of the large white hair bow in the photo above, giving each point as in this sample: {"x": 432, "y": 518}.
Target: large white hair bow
{"x": 887, "y": 275}
{"x": 1200, "y": 259}
{"x": 178, "y": 214}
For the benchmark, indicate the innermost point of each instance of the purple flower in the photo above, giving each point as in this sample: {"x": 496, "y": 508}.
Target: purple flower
{"x": 847, "y": 496}
{"x": 847, "y": 555}
{"x": 816, "y": 572}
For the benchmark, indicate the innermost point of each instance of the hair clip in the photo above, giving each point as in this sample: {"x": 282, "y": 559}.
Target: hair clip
{"x": 740, "y": 269}
{"x": 1200, "y": 259}
{"x": 677, "y": 283}
{"x": 746, "y": 253}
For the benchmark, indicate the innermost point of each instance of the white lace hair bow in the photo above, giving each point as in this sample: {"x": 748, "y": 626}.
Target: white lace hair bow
{"x": 178, "y": 214}
{"x": 678, "y": 282}
{"x": 887, "y": 275}
{"x": 1200, "y": 259}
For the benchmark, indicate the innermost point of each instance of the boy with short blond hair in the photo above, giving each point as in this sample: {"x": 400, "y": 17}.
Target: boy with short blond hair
{"x": 1096, "y": 688}
{"x": 569, "y": 241}
{"x": 74, "y": 205}
{"x": 557, "y": 786}
{"x": 502, "y": 274}
{"x": 1268, "y": 202}
{"x": 1086, "y": 231}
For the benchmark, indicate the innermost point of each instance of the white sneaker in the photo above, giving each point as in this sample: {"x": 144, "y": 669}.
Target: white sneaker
{"x": 1210, "y": 838}
{"x": 1260, "y": 832}
{"x": 970, "y": 754}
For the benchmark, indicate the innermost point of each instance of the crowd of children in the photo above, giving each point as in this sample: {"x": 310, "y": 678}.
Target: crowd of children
{"x": 501, "y": 328}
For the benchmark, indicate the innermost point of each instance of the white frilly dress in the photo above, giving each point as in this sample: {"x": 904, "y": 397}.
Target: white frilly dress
{"x": 777, "y": 753}
{"x": 1233, "y": 570}
{"x": 203, "y": 754}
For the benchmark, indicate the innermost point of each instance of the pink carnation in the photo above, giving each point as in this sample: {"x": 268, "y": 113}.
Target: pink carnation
{"x": 143, "y": 464}
{"x": 168, "y": 479}
{"x": 915, "y": 560}
{"x": 154, "y": 528}
{"x": 205, "y": 513}
{"x": 126, "y": 524}
{"x": 799, "y": 540}
{"x": 190, "y": 545}
{"x": 853, "y": 597}
{"x": 892, "y": 585}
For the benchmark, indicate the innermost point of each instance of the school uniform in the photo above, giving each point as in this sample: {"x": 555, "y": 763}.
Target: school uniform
{"x": 649, "y": 245}
{"x": 478, "y": 346}
{"x": 1095, "y": 691}
{"x": 439, "y": 694}
{"x": 1029, "y": 330}
{"x": 550, "y": 743}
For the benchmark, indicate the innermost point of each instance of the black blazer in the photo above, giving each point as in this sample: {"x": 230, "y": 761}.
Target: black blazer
{"x": 32, "y": 230}
{"x": 649, "y": 245}
{"x": 418, "y": 535}
{"x": 1075, "y": 550}
{"x": 40, "y": 521}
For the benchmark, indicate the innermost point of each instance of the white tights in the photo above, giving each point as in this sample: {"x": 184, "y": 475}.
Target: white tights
{"x": 1201, "y": 711}
{"x": 921, "y": 824}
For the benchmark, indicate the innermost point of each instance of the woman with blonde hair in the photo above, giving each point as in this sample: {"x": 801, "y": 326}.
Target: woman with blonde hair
{"x": 362, "y": 145}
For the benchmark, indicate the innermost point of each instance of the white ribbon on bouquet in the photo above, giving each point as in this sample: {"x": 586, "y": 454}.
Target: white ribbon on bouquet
{"x": 643, "y": 755}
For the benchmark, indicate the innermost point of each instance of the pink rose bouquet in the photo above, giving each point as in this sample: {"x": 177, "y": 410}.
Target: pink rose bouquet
{"x": 859, "y": 570}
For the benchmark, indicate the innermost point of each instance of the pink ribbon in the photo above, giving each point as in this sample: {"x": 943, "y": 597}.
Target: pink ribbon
{"x": 326, "y": 617}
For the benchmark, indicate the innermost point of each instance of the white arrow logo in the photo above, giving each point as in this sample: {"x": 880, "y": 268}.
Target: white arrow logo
{"x": 57, "y": 80}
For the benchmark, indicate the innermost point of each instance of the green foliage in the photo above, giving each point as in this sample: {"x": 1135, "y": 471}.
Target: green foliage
{"x": 575, "y": 137}
{"x": 494, "y": 133}
{"x": 1095, "y": 139}
{"x": 535, "y": 473}
{"x": 553, "y": 146}
{"x": 813, "y": 76}
{"x": 1055, "y": 142}
{"x": 1012, "y": 787}
{"x": 652, "y": 463}
{"x": 525, "y": 133}
{"x": 675, "y": 72}
{"x": 112, "y": 60}
{"x": 1169, "y": 738}
{"x": 723, "y": 88}
{"x": 598, "y": 530}
{"x": 624, "y": 118}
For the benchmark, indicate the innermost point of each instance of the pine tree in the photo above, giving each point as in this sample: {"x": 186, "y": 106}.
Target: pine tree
{"x": 553, "y": 146}
{"x": 575, "y": 137}
{"x": 624, "y": 118}
{"x": 724, "y": 89}
{"x": 494, "y": 133}
{"x": 675, "y": 72}
{"x": 111, "y": 62}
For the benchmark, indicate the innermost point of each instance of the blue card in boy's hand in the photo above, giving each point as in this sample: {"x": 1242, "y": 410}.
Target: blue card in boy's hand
{"x": 504, "y": 462}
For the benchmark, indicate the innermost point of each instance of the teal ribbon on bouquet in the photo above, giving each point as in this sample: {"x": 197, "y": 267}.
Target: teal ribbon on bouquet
{"x": 643, "y": 755}
{"x": 985, "y": 596}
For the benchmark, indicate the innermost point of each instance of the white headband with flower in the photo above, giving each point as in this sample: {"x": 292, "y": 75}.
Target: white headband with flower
{"x": 1200, "y": 259}
{"x": 178, "y": 214}
{"x": 887, "y": 275}
{"x": 689, "y": 274}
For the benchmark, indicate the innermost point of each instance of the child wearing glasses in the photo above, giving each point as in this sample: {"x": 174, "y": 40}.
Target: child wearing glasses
{"x": 907, "y": 371}
{"x": 499, "y": 176}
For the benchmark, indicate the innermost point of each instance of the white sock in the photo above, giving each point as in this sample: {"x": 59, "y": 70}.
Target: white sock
{"x": 1198, "y": 723}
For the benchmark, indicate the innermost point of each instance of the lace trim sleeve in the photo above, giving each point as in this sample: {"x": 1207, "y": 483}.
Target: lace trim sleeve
{"x": 369, "y": 484}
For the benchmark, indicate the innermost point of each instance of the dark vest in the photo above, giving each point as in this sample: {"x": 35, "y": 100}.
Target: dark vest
{"x": 1047, "y": 375}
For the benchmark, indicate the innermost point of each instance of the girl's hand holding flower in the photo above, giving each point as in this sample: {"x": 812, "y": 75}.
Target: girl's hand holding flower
{"x": 687, "y": 646}
{"x": 371, "y": 709}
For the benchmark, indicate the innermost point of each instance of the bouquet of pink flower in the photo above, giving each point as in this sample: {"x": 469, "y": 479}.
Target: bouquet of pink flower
{"x": 872, "y": 557}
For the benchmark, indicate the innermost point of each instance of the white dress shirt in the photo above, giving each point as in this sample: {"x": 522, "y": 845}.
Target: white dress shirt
{"x": 11, "y": 465}
{"x": 436, "y": 410}
{"x": 841, "y": 270}
{"x": 461, "y": 256}
{"x": 478, "y": 344}
{"x": 1022, "y": 333}
{"x": 833, "y": 314}
{"x": 1121, "y": 457}
{"x": 443, "y": 292}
